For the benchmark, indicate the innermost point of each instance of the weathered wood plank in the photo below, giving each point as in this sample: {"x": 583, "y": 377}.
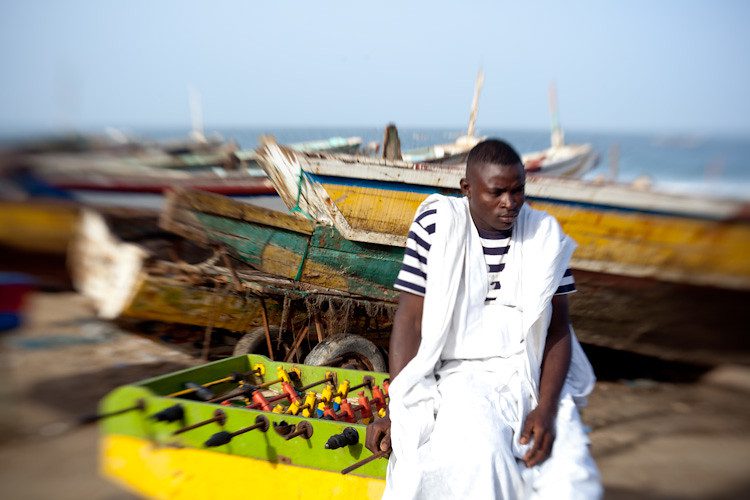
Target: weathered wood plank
{"x": 226, "y": 207}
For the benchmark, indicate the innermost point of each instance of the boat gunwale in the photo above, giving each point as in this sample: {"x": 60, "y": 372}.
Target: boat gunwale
{"x": 568, "y": 191}
{"x": 214, "y": 204}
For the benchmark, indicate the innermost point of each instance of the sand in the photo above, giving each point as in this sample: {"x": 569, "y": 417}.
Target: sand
{"x": 657, "y": 430}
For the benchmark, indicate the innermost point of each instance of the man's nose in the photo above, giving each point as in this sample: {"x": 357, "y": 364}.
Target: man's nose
{"x": 507, "y": 201}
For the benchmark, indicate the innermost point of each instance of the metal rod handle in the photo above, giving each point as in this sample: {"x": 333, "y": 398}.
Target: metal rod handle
{"x": 357, "y": 465}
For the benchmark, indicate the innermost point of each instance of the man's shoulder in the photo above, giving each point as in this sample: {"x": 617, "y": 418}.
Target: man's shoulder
{"x": 433, "y": 207}
{"x": 433, "y": 202}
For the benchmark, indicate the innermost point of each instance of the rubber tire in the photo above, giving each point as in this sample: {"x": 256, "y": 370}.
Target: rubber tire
{"x": 254, "y": 341}
{"x": 346, "y": 345}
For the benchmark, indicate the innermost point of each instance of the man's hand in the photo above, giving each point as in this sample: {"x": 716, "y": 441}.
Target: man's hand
{"x": 539, "y": 425}
{"x": 379, "y": 435}
{"x": 540, "y": 422}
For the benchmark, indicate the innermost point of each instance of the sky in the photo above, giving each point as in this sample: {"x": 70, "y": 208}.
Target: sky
{"x": 643, "y": 66}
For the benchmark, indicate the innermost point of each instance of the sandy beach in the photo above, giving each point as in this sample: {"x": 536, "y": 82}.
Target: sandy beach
{"x": 657, "y": 430}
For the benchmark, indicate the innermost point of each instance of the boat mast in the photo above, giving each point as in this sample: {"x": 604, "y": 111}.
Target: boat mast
{"x": 196, "y": 115}
{"x": 475, "y": 103}
{"x": 557, "y": 138}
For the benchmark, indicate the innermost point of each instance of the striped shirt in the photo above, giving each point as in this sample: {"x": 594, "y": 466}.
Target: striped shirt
{"x": 413, "y": 275}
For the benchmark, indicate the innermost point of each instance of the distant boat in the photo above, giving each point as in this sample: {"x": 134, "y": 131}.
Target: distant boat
{"x": 559, "y": 160}
{"x": 246, "y": 158}
{"x": 571, "y": 161}
{"x": 107, "y": 173}
{"x": 446, "y": 154}
{"x": 228, "y": 173}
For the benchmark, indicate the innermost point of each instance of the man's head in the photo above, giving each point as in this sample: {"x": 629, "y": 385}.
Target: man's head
{"x": 494, "y": 184}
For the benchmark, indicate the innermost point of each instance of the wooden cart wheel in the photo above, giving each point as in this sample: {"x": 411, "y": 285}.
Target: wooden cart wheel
{"x": 254, "y": 342}
{"x": 346, "y": 350}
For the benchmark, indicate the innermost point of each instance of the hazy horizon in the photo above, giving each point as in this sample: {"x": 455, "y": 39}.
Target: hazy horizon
{"x": 670, "y": 67}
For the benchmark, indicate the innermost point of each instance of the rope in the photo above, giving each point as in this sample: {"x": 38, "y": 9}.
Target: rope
{"x": 296, "y": 208}
{"x": 298, "y": 275}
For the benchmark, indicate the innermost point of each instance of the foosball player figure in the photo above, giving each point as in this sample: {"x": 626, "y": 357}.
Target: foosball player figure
{"x": 341, "y": 394}
{"x": 325, "y": 398}
{"x": 378, "y": 398}
{"x": 365, "y": 410}
{"x": 260, "y": 401}
{"x": 308, "y": 409}
{"x": 347, "y": 412}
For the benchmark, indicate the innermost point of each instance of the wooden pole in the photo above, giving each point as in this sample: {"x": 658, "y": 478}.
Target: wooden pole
{"x": 318, "y": 327}
{"x": 297, "y": 342}
{"x": 266, "y": 328}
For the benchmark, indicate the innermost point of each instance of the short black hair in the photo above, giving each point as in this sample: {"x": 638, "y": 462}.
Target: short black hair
{"x": 494, "y": 151}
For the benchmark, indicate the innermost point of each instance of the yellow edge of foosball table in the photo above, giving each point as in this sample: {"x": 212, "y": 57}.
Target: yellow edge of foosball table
{"x": 163, "y": 472}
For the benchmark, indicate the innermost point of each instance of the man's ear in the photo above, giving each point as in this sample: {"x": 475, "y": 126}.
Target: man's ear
{"x": 465, "y": 188}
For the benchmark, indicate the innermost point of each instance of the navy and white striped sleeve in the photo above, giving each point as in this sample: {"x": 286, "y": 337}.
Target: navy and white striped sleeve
{"x": 412, "y": 277}
{"x": 567, "y": 284}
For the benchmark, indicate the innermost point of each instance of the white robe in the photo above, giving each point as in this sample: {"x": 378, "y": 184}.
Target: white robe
{"x": 458, "y": 436}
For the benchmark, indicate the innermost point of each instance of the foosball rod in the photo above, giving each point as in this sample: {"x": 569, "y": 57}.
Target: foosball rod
{"x": 303, "y": 429}
{"x": 234, "y": 377}
{"x": 90, "y": 419}
{"x": 245, "y": 390}
{"x": 283, "y": 377}
{"x": 329, "y": 378}
{"x": 357, "y": 465}
{"x": 219, "y": 417}
{"x": 224, "y": 437}
{"x": 367, "y": 381}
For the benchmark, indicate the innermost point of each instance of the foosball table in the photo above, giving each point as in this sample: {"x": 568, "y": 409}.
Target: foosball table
{"x": 244, "y": 427}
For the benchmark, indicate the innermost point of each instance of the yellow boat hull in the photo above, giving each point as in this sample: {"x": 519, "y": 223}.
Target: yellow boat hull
{"x": 631, "y": 243}
{"x": 173, "y": 301}
{"x": 37, "y": 227}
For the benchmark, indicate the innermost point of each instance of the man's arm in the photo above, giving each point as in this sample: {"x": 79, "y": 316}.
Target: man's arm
{"x": 540, "y": 422}
{"x": 406, "y": 334}
{"x": 405, "y": 338}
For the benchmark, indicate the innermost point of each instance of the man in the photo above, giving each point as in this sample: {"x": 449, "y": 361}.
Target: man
{"x": 484, "y": 368}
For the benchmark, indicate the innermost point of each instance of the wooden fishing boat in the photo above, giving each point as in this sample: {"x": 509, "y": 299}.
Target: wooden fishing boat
{"x": 682, "y": 259}
{"x": 174, "y": 282}
{"x": 564, "y": 160}
{"x": 245, "y": 158}
{"x": 285, "y": 245}
{"x": 216, "y": 431}
{"x": 453, "y": 153}
{"x": 229, "y": 173}
{"x": 559, "y": 160}
{"x": 93, "y": 172}
{"x": 38, "y": 226}
{"x": 619, "y": 229}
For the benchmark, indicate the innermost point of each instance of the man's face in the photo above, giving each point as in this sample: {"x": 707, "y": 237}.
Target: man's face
{"x": 496, "y": 194}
